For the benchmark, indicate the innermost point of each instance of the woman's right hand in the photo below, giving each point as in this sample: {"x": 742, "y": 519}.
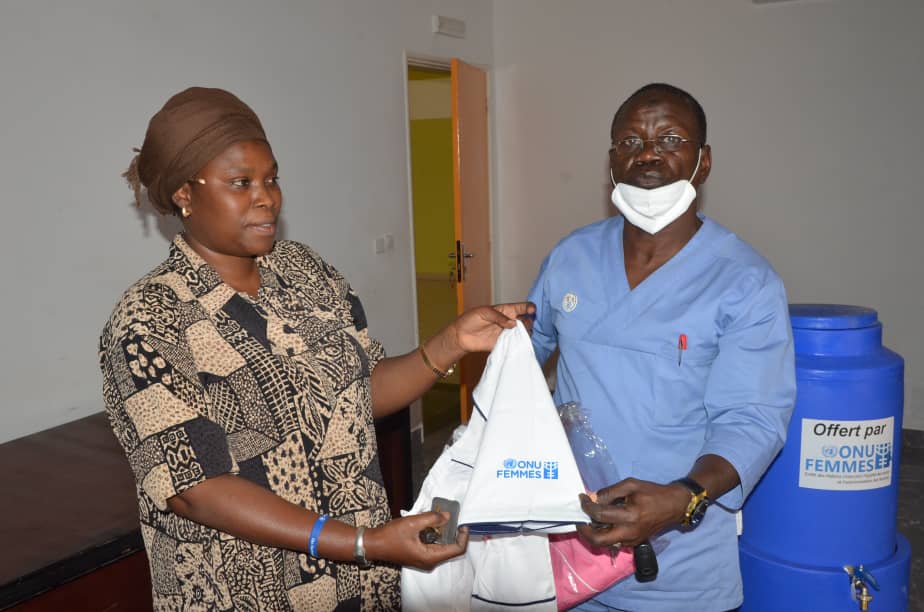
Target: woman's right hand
{"x": 398, "y": 541}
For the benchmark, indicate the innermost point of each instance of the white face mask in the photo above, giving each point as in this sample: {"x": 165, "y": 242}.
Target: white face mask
{"x": 654, "y": 209}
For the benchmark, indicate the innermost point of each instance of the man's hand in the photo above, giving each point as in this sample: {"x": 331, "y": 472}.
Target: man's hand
{"x": 632, "y": 511}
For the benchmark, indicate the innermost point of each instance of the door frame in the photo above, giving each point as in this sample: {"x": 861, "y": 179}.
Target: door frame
{"x": 443, "y": 63}
{"x": 417, "y": 61}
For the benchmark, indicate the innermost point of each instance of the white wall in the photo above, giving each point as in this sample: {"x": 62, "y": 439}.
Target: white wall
{"x": 814, "y": 110}
{"x": 81, "y": 80}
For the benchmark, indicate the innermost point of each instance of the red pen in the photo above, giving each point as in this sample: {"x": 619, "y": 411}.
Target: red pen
{"x": 681, "y": 347}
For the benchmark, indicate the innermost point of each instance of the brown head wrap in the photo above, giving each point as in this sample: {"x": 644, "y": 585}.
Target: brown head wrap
{"x": 192, "y": 128}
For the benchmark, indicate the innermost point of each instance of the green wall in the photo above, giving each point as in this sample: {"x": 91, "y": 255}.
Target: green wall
{"x": 431, "y": 180}
{"x": 423, "y": 74}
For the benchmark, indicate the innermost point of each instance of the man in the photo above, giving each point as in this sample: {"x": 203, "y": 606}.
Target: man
{"x": 674, "y": 335}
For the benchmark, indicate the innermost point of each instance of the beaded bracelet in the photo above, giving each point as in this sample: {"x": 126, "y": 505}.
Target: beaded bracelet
{"x": 315, "y": 533}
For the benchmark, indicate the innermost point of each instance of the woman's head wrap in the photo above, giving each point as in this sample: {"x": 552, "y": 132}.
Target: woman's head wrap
{"x": 192, "y": 128}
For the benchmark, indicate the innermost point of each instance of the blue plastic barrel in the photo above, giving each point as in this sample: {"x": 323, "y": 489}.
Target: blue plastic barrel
{"x": 830, "y": 498}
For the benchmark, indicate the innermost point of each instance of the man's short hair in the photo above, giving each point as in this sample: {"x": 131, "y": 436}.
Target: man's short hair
{"x": 670, "y": 90}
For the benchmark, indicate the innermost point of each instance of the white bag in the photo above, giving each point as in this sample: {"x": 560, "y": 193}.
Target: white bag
{"x": 513, "y": 473}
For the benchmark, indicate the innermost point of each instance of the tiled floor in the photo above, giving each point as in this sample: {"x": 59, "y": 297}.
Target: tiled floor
{"x": 910, "y": 497}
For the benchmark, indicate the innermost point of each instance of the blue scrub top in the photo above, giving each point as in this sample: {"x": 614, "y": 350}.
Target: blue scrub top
{"x": 730, "y": 393}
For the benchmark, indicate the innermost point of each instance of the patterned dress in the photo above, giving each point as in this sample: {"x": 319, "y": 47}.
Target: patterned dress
{"x": 200, "y": 380}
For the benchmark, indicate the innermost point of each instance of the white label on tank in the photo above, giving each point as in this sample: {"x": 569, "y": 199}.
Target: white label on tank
{"x": 846, "y": 455}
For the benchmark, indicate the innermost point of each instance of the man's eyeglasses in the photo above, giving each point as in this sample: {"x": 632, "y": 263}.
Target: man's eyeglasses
{"x": 665, "y": 143}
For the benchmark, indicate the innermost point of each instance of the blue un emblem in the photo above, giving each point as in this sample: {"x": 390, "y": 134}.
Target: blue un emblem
{"x": 550, "y": 470}
{"x": 510, "y": 464}
{"x": 883, "y": 455}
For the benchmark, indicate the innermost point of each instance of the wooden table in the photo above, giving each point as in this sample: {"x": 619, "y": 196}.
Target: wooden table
{"x": 68, "y": 513}
{"x": 69, "y": 535}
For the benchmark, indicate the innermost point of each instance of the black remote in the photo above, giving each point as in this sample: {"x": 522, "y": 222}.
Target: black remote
{"x": 646, "y": 563}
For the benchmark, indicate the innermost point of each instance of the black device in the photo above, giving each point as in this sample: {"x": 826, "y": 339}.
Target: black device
{"x": 448, "y": 532}
{"x": 646, "y": 562}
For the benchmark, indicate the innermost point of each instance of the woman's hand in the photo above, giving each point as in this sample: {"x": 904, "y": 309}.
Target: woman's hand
{"x": 398, "y": 541}
{"x": 477, "y": 329}
{"x": 397, "y": 381}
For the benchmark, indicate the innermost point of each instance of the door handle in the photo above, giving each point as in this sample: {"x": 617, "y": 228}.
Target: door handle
{"x": 452, "y": 270}
{"x": 460, "y": 255}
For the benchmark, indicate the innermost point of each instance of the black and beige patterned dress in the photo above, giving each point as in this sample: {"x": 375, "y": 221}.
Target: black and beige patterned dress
{"x": 200, "y": 380}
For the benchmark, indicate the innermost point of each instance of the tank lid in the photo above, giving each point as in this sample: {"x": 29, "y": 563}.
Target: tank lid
{"x": 831, "y": 316}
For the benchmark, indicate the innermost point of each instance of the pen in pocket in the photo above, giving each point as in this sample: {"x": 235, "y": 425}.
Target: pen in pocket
{"x": 681, "y": 347}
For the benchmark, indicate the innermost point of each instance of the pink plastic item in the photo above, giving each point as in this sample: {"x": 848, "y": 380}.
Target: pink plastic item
{"x": 580, "y": 571}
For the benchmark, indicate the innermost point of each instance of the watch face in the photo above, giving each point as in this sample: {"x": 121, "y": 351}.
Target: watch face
{"x": 698, "y": 513}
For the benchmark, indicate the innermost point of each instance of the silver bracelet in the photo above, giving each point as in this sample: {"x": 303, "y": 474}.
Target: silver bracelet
{"x": 359, "y": 551}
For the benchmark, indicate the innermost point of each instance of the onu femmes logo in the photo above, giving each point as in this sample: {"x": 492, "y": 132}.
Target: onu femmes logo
{"x": 851, "y": 458}
{"x": 528, "y": 469}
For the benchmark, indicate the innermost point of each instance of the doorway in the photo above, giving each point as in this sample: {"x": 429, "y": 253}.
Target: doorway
{"x": 449, "y": 185}
{"x": 431, "y": 166}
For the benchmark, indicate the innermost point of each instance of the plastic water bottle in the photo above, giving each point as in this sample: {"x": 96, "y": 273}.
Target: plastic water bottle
{"x": 598, "y": 471}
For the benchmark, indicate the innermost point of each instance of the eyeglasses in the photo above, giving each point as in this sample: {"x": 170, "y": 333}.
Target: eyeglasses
{"x": 665, "y": 143}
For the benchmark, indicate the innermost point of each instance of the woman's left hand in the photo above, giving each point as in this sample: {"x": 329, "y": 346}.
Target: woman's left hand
{"x": 397, "y": 381}
{"x": 477, "y": 329}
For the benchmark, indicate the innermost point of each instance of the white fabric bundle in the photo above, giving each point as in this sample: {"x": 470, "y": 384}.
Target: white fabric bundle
{"x": 514, "y": 475}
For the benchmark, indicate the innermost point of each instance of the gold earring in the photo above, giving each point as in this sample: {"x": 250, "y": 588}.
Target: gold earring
{"x": 185, "y": 212}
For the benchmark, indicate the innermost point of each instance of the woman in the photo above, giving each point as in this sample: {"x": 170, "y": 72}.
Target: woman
{"x": 241, "y": 380}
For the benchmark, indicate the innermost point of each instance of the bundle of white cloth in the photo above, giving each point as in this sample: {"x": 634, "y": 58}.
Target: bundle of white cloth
{"x": 515, "y": 477}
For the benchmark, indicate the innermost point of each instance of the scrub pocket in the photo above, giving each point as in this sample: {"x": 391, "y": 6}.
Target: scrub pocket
{"x": 681, "y": 383}
{"x": 671, "y": 386}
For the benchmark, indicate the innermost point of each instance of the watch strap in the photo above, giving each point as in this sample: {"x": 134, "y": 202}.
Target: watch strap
{"x": 699, "y": 501}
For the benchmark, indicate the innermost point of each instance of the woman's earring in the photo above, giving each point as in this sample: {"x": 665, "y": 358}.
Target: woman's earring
{"x": 185, "y": 212}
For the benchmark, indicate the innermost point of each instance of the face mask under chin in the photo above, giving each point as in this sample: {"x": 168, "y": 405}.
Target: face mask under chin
{"x": 652, "y": 210}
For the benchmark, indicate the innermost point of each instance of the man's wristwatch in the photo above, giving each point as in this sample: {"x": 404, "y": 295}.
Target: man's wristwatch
{"x": 359, "y": 549}
{"x": 699, "y": 501}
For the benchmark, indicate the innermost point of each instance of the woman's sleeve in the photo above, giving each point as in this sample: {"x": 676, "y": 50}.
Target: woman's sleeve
{"x": 157, "y": 414}
{"x": 372, "y": 347}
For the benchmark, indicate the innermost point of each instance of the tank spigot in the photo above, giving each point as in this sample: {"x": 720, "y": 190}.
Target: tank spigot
{"x": 860, "y": 581}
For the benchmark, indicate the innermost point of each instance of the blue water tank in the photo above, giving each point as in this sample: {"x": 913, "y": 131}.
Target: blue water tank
{"x": 830, "y": 498}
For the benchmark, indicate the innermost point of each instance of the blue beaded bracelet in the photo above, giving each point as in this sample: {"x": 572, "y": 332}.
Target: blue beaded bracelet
{"x": 315, "y": 533}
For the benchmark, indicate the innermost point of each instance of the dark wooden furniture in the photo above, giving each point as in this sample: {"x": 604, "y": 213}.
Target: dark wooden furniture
{"x": 393, "y": 434}
{"x": 69, "y": 510}
{"x": 69, "y": 535}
